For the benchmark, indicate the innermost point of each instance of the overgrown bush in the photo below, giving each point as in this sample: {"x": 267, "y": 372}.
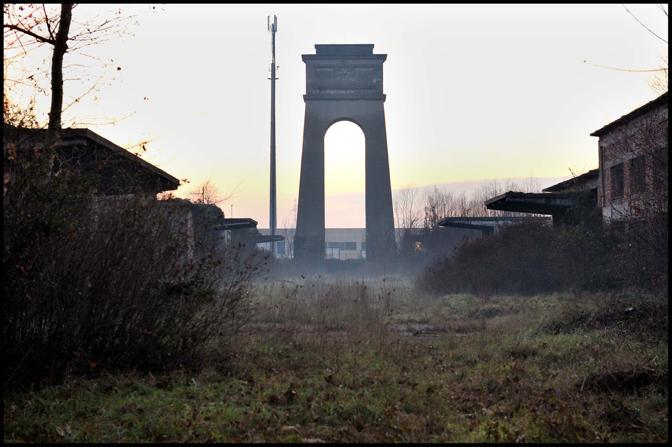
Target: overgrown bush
{"x": 642, "y": 254}
{"x": 97, "y": 283}
{"x": 533, "y": 258}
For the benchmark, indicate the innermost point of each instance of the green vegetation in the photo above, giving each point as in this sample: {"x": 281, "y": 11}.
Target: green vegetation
{"x": 378, "y": 361}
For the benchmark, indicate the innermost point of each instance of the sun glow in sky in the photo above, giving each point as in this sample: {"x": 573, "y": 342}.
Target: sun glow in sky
{"x": 474, "y": 92}
{"x": 344, "y": 179}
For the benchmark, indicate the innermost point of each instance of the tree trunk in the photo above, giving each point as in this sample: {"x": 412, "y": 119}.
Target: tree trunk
{"x": 60, "y": 47}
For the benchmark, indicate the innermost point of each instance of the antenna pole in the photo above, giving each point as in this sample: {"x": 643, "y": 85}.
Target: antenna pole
{"x": 273, "y": 27}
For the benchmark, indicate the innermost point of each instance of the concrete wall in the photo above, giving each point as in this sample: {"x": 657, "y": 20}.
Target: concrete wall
{"x": 344, "y": 82}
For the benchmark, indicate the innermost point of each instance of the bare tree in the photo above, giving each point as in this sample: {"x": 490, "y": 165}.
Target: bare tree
{"x": 440, "y": 204}
{"x": 406, "y": 214}
{"x": 647, "y": 27}
{"x": 493, "y": 189}
{"x": 659, "y": 83}
{"x": 407, "y": 217}
{"x": 27, "y": 26}
{"x": 208, "y": 194}
{"x": 58, "y": 39}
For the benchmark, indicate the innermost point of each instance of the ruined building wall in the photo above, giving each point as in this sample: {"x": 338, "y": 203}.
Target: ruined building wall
{"x": 633, "y": 166}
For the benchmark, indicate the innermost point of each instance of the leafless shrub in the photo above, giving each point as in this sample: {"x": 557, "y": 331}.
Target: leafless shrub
{"x": 528, "y": 258}
{"x": 106, "y": 282}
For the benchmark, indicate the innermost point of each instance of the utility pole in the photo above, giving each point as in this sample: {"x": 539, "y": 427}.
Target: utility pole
{"x": 272, "y": 27}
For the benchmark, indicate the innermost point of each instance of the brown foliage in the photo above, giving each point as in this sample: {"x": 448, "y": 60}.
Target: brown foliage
{"x": 106, "y": 282}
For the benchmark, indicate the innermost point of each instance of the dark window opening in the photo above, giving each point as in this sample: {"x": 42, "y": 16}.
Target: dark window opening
{"x": 659, "y": 170}
{"x": 637, "y": 175}
{"x": 617, "y": 180}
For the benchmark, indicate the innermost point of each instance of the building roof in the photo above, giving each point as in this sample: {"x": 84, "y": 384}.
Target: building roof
{"x": 574, "y": 181}
{"x": 531, "y": 202}
{"x": 359, "y": 49}
{"x": 486, "y": 229}
{"x": 662, "y": 99}
{"x": 91, "y": 135}
{"x": 343, "y": 51}
{"x": 237, "y": 223}
{"x": 111, "y": 158}
{"x": 253, "y": 236}
{"x": 485, "y": 224}
{"x": 486, "y": 220}
{"x": 259, "y": 238}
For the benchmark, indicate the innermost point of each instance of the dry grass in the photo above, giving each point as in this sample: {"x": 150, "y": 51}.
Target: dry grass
{"x": 376, "y": 361}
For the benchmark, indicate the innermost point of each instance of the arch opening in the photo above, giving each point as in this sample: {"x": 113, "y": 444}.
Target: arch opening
{"x": 344, "y": 190}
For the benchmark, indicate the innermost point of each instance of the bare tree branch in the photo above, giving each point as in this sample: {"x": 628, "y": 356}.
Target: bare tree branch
{"x": 28, "y": 26}
{"x": 207, "y": 193}
{"x": 641, "y": 23}
{"x": 51, "y": 33}
{"x": 29, "y": 33}
{"x": 634, "y": 70}
{"x": 662, "y": 8}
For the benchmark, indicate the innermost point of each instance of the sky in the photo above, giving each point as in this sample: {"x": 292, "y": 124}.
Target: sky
{"x": 474, "y": 92}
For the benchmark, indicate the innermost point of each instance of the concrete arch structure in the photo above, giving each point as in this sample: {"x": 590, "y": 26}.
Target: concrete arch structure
{"x": 344, "y": 83}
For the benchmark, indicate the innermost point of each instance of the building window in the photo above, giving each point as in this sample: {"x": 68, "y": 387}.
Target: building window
{"x": 333, "y": 253}
{"x": 637, "y": 175}
{"x": 342, "y": 245}
{"x": 280, "y": 248}
{"x": 617, "y": 181}
{"x": 659, "y": 169}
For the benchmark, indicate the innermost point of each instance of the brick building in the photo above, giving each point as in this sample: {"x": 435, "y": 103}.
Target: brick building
{"x": 631, "y": 182}
{"x": 633, "y": 159}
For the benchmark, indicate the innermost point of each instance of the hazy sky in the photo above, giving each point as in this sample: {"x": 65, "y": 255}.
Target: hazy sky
{"x": 473, "y": 92}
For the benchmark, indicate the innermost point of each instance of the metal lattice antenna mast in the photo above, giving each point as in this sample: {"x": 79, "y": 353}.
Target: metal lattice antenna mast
{"x": 272, "y": 27}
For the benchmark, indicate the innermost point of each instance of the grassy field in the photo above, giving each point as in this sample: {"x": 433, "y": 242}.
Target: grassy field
{"x": 375, "y": 361}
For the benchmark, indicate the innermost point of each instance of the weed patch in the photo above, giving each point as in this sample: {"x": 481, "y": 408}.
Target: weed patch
{"x": 503, "y": 377}
{"x": 624, "y": 381}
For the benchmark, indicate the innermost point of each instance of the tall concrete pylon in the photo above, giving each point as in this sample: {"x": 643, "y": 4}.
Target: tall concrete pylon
{"x": 344, "y": 83}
